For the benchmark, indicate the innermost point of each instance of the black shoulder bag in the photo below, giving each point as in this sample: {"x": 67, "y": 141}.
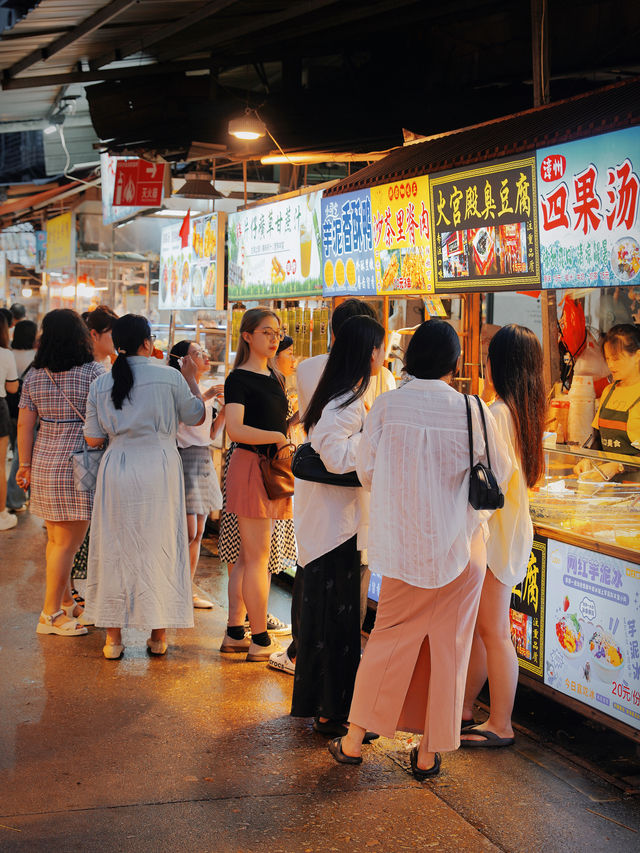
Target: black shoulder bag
{"x": 307, "y": 465}
{"x": 484, "y": 491}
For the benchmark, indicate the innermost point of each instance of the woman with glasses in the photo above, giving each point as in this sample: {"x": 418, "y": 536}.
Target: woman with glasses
{"x": 256, "y": 418}
{"x": 202, "y": 490}
{"x": 138, "y": 571}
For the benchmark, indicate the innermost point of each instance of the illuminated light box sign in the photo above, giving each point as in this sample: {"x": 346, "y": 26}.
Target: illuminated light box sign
{"x": 592, "y": 649}
{"x": 275, "y": 250}
{"x": 193, "y": 277}
{"x": 347, "y": 245}
{"x": 402, "y": 238}
{"x": 588, "y": 197}
{"x": 485, "y": 227}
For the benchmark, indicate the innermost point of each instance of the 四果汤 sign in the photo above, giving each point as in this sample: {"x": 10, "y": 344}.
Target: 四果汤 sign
{"x": 588, "y": 197}
{"x": 402, "y": 238}
{"x": 485, "y": 227}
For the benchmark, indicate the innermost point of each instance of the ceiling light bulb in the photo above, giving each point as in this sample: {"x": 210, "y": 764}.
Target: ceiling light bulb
{"x": 247, "y": 126}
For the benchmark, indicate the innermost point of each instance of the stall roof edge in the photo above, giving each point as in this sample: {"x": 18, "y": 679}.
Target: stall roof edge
{"x": 613, "y": 107}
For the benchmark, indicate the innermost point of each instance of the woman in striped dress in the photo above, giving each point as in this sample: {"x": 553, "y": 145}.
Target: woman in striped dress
{"x": 55, "y": 390}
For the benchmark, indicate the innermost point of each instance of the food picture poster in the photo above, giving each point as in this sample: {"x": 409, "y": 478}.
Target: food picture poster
{"x": 348, "y": 265}
{"x": 189, "y": 276}
{"x": 402, "y": 237}
{"x": 275, "y": 250}
{"x": 588, "y": 197}
{"x": 592, "y": 632}
{"x": 485, "y": 227}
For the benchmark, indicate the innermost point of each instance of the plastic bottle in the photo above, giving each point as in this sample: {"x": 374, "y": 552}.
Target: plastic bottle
{"x": 582, "y": 409}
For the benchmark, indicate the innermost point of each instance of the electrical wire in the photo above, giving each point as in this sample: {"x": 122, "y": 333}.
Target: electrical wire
{"x": 65, "y": 171}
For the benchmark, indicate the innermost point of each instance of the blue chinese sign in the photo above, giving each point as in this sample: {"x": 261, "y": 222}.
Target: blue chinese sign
{"x": 347, "y": 245}
{"x": 592, "y": 647}
{"x": 588, "y": 196}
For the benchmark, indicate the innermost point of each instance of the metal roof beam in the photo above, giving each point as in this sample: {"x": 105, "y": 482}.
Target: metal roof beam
{"x": 93, "y": 22}
{"x": 138, "y": 44}
{"x": 67, "y": 78}
{"x": 252, "y": 25}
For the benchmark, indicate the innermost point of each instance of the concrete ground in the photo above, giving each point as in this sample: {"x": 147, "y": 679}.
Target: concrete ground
{"x": 196, "y": 752}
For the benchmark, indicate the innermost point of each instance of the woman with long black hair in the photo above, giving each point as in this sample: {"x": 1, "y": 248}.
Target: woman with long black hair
{"x": 138, "y": 569}
{"x": 514, "y": 370}
{"x": 331, "y": 524}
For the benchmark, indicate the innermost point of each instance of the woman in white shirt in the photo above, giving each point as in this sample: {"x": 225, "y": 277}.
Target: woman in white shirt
{"x": 426, "y": 541}
{"x": 514, "y": 369}
{"x": 201, "y": 486}
{"x": 330, "y": 524}
{"x": 8, "y": 382}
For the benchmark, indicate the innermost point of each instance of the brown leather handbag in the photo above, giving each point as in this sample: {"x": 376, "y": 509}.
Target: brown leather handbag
{"x": 275, "y": 465}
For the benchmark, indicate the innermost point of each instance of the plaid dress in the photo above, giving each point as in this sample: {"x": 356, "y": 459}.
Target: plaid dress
{"x": 53, "y": 495}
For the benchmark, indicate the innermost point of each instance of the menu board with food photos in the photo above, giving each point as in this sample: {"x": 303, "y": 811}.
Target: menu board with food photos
{"x": 192, "y": 277}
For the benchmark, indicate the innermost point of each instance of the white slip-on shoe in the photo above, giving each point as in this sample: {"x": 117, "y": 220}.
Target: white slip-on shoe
{"x": 282, "y": 662}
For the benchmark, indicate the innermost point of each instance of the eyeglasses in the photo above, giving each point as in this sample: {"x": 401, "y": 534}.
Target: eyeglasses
{"x": 152, "y": 338}
{"x": 272, "y": 334}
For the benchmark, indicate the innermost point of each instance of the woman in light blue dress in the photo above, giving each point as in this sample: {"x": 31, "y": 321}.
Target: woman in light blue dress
{"x": 138, "y": 568}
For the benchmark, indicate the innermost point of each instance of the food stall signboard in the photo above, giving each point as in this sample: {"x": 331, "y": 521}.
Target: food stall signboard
{"x": 193, "y": 277}
{"x": 347, "y": 245}
{"x": 592, "y": 651}
{"x": 275, "y": 250}
{"x": 588, "y": 197}
{"x": 402, "y": 238}
{"x": 485, "y": 227}
{"x": 61, "y": 243}
{"x": 527, "y": 612}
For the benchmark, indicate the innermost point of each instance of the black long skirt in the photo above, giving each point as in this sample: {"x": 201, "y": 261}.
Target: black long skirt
{"x": 329, "y": 641}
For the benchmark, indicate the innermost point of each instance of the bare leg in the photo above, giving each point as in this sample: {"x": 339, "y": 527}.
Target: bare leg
{"x": 4, "y": 443}
{"x": 255, "y": 536}
{"x": 476, "y": 674}
{"x": 64, "y": 539}
{"x": 159, "y": 635}
{"x": 352, "y": 741}
{"x": 502, "y": 661}
{"x": 114, "y": 637}
{"x": 195, "y": 528}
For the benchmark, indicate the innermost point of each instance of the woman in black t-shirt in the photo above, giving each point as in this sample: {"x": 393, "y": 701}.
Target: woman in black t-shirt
{"x": 256, "y": 415}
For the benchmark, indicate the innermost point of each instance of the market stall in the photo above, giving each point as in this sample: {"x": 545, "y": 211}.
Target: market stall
{"x": 525, "y": 216}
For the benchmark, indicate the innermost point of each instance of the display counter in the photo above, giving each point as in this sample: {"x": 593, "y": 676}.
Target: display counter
{"x": 575, "y": 619}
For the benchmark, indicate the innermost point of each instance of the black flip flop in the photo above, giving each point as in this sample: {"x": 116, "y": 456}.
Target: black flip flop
{"x": 335, "y": 748}
{"x": 465, "y": 724}
{"x": 418, "y": 772}
{"x": 490, "y": 739}
{"x": 334, "y": 728}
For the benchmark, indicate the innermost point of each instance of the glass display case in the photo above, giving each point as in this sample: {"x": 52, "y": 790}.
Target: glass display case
{"x": 592, "y": 496}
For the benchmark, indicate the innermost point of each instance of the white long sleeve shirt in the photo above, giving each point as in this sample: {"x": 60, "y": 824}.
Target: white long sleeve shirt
{"x": 510, "y": 528}
{"x": 327, "y": 516}
{"x": 414, "y": 457}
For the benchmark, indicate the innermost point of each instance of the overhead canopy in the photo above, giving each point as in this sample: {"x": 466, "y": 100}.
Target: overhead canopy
{"x": 610, "y": 108}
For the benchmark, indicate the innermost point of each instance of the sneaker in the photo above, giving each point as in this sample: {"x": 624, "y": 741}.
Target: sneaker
{"x": 7, "y": 521}
{"x": 282, "y": 662}
{"x": 275, "y": 626}
{"x": 14, "y": 509}
{"x": 229, "y": 645}
{"x": 201, "y": 603}
{"x": 261, "y": 653}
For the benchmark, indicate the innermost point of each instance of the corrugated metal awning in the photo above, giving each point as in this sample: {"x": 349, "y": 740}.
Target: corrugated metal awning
{"x": 610, "y": 108}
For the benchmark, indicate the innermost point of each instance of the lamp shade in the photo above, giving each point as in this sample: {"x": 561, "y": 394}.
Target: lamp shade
{"x": 247, "y": 126}
{"x": 198, "y": 185}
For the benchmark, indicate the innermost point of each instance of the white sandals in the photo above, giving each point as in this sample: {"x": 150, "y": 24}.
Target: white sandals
{"x": 72, "y": 628}
{"x": 81, "y": 619}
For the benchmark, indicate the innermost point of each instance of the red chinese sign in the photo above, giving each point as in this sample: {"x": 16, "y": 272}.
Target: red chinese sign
{"x": 138, "y": 183}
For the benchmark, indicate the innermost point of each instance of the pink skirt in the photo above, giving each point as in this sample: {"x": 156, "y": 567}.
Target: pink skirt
{"x": 246, "y": 495}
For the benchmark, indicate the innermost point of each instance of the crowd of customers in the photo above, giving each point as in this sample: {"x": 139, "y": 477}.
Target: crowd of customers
{"x": 442, "y": 623}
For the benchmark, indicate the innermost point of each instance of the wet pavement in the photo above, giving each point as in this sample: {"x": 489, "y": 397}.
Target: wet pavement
{"x": 196, "y": 752}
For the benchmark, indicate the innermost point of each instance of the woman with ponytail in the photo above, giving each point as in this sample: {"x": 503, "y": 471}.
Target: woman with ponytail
{"x": 514, "y": 371}
{"x": 138, "y": 572}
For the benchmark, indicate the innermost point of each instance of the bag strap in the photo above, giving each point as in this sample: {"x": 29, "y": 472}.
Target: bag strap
{"x": 470, "y": 431}
{"x": 48, "y": 372}
{"x": 484, "y": 429}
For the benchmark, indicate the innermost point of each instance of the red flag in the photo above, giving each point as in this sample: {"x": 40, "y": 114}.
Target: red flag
{"x": 184, "y": 229}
